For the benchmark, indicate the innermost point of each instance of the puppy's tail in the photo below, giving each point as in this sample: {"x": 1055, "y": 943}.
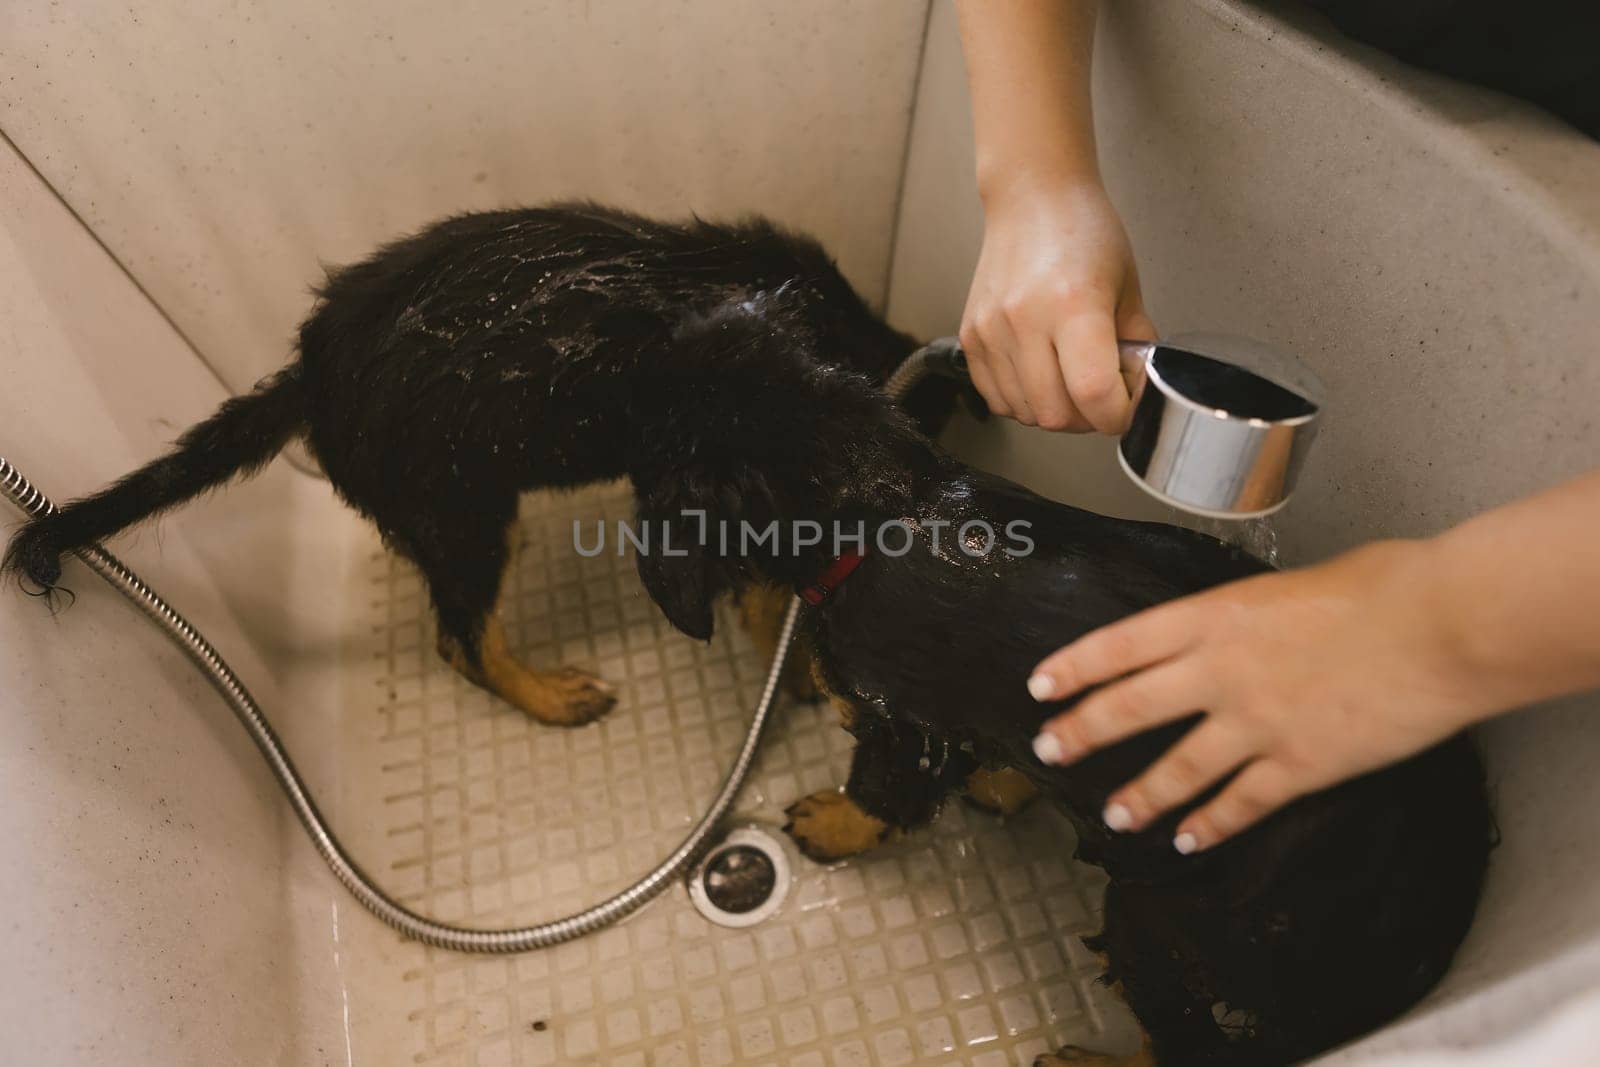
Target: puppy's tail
{"x": 240, "y": 438}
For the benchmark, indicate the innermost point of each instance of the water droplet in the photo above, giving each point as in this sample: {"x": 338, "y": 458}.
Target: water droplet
{"x": 1258, "y": 536}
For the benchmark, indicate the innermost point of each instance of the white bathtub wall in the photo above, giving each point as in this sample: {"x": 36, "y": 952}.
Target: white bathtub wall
{"x": 1430, "y": 249}
{"x": 223, "y": 151}
{"x": 1433, "y": 251}
{"x": 162, "y": 907}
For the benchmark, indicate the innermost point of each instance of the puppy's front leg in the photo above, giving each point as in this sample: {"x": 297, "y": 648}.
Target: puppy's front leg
{"x": 899, "y": 777}
{"x": 761, "y": 609}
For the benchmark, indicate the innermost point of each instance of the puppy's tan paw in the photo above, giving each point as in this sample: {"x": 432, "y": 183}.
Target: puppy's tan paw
{"x": 566, "y": 697}
{"x": 1003, "y": 790}
{"x": 828, "y": 826}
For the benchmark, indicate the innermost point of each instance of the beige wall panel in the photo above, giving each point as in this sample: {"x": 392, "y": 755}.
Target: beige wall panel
{"x": 162, "y": 905}
{"x": 223, "y": 151}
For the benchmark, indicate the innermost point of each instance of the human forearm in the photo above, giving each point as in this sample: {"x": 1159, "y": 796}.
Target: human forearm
{"x": 1055, "y": 284}
{"x": 1515, "y": 589}
{"x": 1028, "y": 66}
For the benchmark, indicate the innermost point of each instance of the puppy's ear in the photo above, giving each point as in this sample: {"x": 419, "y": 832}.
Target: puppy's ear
{"x": 680, "y": 573}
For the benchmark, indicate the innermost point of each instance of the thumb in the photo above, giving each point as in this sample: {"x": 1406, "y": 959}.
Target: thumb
{"x": 1134, "y": 325}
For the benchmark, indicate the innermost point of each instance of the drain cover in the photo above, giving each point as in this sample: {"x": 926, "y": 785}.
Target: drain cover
{"x": 742, "y": 880}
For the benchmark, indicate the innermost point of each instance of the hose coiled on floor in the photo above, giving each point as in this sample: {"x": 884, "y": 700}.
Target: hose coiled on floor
{"x": 204, "y": 655}
{"x": 418, "y": 927}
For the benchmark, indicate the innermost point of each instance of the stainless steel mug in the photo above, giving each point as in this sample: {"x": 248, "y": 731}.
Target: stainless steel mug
{"x": 1221, "y": 425}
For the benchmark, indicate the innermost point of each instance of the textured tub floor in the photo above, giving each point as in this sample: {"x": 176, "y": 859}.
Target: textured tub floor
{"x": 956, "y": 946}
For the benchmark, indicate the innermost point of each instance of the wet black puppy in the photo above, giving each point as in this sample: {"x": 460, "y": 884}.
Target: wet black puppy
{"x": 1320, "y": 924}
{"x": 733, "y": 376}
{"x": 491, "y": 354}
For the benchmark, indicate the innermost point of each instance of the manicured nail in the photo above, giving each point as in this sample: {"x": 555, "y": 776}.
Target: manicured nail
{"x": 1041, "y": 687}
{"x": 1117, "y": 817}
{"x": 1185, "y": 843}
{"x": 1048, "y": 749}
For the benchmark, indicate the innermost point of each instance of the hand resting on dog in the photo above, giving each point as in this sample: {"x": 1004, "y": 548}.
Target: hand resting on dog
{"x": 1314, "y": 676}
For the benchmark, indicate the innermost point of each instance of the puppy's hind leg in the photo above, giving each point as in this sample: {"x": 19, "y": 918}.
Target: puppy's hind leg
{"x": 463, "y": 553}
{"x": 565, "y": 696}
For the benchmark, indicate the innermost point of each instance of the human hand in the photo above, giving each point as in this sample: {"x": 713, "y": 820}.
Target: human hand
{"x": 1306, "y": 678}
{"x": 1054, "y": 288}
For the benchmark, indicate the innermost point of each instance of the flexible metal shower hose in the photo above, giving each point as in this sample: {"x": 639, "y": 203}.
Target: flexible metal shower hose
{"x": 371, "y": 897}
{"x": 204, "y": 655}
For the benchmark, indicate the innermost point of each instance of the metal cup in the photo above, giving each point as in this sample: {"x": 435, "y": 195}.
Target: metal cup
{"x": 1221, "y": 425}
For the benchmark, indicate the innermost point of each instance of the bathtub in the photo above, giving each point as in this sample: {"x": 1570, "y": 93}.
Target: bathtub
{"x": 169, "y": 183}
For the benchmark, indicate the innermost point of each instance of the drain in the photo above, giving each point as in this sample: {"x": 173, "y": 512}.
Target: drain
{"x": 740, "y": 879}
{"x": 743, "y": 880}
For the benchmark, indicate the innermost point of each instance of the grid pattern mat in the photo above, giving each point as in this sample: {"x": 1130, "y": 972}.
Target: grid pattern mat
{"x": 956, "y": 946}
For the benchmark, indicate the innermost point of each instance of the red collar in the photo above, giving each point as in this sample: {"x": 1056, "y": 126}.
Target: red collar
{"x": 830, "y": 579}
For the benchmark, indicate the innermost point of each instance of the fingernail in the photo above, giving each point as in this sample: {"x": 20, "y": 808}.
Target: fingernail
{"x": 1117, "y": 817}
{"x": 1185, "y": 843}
{"x": 1048, "y": 749}
{"x": 1041, "y": 686}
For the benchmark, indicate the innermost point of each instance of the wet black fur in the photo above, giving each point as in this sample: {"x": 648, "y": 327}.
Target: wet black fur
{"x": 731, "y": 369}
{"x": 498, "y": 352}
{"x": 1320, "y": 924}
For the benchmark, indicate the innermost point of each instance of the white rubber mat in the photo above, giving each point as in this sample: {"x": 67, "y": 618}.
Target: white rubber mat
{"x": 957, "y": 946}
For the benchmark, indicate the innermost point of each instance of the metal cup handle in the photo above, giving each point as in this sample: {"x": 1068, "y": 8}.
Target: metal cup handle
{"x": 1133, "y": 359}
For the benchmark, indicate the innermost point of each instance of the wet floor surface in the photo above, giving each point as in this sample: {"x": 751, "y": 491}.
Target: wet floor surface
{"x": 955, "y": 946}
